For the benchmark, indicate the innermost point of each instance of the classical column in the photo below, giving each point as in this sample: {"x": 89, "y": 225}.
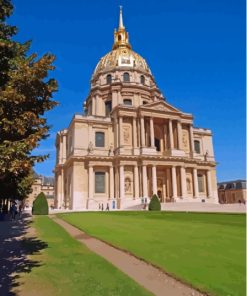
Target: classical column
{"x": 152, "y": 131}
{"x": 209, "y": 188}
{"x": 121, "y": 181}
{"x": 94, "y": 106}
{"x": 191, "y": 140}
{"x": 90, "y": 182}
{"x": 97, "y": 107}
{"x": 120, "y": 131}
{"x": 144, "y": 181}
{"x": 136, "y": 179}
{"x": 183, "y": 182}
{"x": 142, "y": 132}
{"x": 171, "y": 134}
{"x": 154, "y": 179}
{"x": 195, "y": 181}
{"x": 179, "y": 129}
{"x": 116, "y": 177}
{"x": 174, "y": 182}
{"x": 134, "y": 136}
{"x": 116, "y": 132}
{"x": 111, "y": 182}
{"x": 138, "y": 133}
{"x": 62, "y": 188}
{"x": 58, "y": 191}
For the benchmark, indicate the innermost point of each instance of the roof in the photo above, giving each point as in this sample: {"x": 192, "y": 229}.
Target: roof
{"x": 236, "y": 184}
{"x": 45, "y": 180}
{"x": 48, "y": 180}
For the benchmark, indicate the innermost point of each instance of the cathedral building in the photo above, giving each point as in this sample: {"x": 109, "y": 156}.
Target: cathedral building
{"x": 130, "y": 143}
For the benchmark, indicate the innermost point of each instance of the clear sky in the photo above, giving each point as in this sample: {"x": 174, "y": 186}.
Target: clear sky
{"x": 195, "y": 49}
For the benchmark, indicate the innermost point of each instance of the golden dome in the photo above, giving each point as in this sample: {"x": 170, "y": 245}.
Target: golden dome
{"x": 121, "y": 55}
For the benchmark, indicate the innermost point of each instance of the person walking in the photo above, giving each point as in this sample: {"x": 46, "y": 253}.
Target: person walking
{"x": 13, "y": 211}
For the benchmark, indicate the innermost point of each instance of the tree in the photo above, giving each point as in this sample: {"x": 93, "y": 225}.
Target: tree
{"x": 154, "y": 204}
{"x": 25, "y": 95}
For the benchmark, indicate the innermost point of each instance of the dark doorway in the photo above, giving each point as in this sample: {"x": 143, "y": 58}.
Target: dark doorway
{"x": 157, "y": 144}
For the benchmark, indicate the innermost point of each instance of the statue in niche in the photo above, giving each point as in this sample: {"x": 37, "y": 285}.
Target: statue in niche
{"x": 127, "y": 185}
{"x": 188, "y": 183}
{"x": 206, "y": 156}
{"x": 90, "y": 148}
{"x": 111, "y": 150}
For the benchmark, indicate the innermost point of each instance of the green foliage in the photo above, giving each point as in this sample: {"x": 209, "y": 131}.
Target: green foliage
{"x": 40, "y": 205}
{"x": 154, "y": 204}
{"x": 26, "y": 94}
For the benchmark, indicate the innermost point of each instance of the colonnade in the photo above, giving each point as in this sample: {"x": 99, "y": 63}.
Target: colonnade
{"x": 140, "y": 186}
{"x": 139, "y": 133}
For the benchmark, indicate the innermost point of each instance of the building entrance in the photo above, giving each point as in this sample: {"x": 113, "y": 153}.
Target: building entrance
{"x": 164, "y": 190}
{"x": 161, "y": 189}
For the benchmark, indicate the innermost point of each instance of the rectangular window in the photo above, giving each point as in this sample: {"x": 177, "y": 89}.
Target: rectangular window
{"x": 200, "y": 183}
{"x": 108, "y": 108}
{"x": 99, "y": 182}
{"x": 197, "y": 147}
{"x": 99, "y": 139}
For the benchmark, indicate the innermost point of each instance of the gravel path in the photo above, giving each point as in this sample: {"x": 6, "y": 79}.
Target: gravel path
{"x": 148, "y": 276}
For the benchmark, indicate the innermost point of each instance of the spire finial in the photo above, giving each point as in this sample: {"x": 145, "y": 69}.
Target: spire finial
{"x": 121, "y": 37}
{"x": 121, "y": 26}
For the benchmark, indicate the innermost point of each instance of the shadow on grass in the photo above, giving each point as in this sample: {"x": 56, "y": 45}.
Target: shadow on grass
{"x": 14, "y": 252}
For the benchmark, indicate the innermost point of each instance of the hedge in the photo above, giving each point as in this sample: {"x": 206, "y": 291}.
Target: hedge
{"x": 154, "y": 204}
{"x": 40, "y": 205}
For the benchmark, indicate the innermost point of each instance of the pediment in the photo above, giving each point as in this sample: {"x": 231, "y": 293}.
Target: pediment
{"x": 161, "y": 106}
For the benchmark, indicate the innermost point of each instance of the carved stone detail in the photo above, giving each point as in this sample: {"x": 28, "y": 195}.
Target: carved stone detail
{"x": 185, "y": 140}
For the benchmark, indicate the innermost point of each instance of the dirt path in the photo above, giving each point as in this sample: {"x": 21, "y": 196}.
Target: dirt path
{"x": 153, "y": 279}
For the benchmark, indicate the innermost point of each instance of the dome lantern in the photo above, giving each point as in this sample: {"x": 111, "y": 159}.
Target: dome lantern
{"x": 121, "y": 37}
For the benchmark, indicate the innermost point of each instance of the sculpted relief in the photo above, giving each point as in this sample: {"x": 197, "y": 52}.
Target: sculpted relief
{"x": 127, "y": 135}
{"x": 127, "y": 185}
{"x": 185, "y": 140}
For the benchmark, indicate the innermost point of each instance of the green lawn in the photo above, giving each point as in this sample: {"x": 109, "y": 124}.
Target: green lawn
{"x": 206, "y": 250}
{"x": 69, "y": 268}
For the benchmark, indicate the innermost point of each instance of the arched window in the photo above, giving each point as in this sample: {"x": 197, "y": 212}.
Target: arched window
{"x": 126, "y": 77}
{"x": 197, "y": 147}
{"x": 108, "y": 108}
{"x": 142, "y": 79}
{"x": 99, "y": 139}
{"x": 109, "y": 79}
{"x": 127, "y": 102}
{"x": 119, "y": 37}
{"x": 200, "y": 183}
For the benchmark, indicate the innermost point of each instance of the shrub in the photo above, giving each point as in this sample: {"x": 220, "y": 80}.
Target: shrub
{"x": 154, "y": 204}
{"x": 40, "y": 205}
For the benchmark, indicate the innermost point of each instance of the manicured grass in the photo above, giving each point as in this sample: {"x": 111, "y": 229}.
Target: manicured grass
{"x": 69, "y": 268}
{"x": 205, "y": 250}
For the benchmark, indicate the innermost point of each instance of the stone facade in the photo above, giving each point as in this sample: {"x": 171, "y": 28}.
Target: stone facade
{"x": 232, "y": 192}
{"x": 131, "y": 143}
{"x": 41, "y": 184}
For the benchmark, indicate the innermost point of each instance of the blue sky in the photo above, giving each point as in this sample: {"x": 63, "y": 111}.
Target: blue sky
{"x": 195, "y": 49}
